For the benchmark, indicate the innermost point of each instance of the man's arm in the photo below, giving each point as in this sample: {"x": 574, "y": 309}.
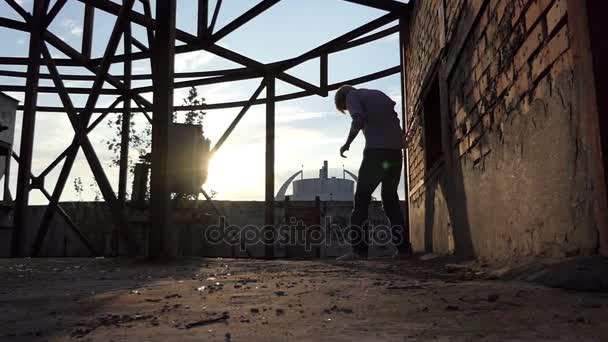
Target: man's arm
{"x": 356, "y": 110}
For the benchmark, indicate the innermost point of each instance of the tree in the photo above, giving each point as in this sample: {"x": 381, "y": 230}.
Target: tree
{"x": 141, "y": 137}
{"x": 78, "y": 187}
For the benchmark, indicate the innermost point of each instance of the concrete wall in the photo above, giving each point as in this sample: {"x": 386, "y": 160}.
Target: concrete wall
{"x": 8, "y": 108}
{"x": 195, "y": 222}
{"x": 514, "y": 179}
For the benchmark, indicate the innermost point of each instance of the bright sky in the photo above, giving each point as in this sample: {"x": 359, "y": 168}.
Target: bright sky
{"x": 308, "y": 131}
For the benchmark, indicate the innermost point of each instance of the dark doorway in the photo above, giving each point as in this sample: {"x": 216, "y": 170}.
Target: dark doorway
{"x": 596, "y": 11}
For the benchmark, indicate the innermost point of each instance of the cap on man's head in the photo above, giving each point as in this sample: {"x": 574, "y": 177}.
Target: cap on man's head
{"x": 340, "y": 97}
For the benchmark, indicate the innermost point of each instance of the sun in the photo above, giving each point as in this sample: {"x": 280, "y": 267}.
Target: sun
{"x": 237, "y": 172}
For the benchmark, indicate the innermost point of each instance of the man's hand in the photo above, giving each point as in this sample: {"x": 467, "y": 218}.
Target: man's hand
{"x": 343, "y": 149}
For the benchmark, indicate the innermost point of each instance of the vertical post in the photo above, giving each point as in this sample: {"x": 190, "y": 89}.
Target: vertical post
{"x": 163, "y": 242}
{"x": 269, "y": 207}
{"x": 587, "y": 105}
{"x": 403, "y": 41}
{"x": 126, "y": 119}
{"x": 87, "y": 34}
{"x": 125, "y": 135}
{"x": 19, "y": 237}
{"x": 203, "y": 18}
{"x": 324, "y": 74}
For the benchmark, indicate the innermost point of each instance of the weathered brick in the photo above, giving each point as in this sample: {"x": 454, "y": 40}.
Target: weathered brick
{"x": 535, "y": 11}
{"x": 487, "y": 121}
{"x": 460, "y": 117}
{"x": 498, "y": 115}
{"x": 521, "y": 85}
{"x": 550, "y": 52}
{"x": 555, "y": 15}
{"x": 530, "y": 45}
{"x": 475, "y": 135}
{"x": 475, "y": 153}
{"x": 564, "y": 63}
{"x": 463, "y": 147}
{"x": 505, "y": 79}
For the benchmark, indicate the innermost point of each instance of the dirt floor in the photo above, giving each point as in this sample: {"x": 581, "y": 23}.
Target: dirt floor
{"x": 248, "y": 300}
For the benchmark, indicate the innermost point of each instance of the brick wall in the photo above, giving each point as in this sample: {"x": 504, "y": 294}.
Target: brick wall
{"x": 506, "y": 69}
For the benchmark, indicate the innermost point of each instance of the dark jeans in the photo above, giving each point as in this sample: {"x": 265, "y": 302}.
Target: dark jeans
{"x": 379, "y": 166}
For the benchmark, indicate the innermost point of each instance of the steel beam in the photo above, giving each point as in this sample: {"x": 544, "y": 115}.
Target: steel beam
{"x": 216, "y": 13}
{"x": 126, "y": 122}
{"x": 292, "y": 96}
{"x": 54, "y": 11}
{"x": 19, "y": 237}
{"x": 270, "y": 149}
{"x": 244, "y": 18}
{"x": 79, "y": 235}
{"x": 403, "y": 42}
{"x": 80, "y": 124}
{"x": 15, "y": 6}
{"x": 163, "y": 241}
{"x": 386, "y": 5}
{"x": 324, "y": 66}
{"x": 203, "y": 19}
{"x": 91, "y": 127}
{"x": 87, "y": 34}
{"x": 238, "y": 118}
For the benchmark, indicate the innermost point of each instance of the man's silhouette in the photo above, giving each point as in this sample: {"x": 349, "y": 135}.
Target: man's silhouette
{"x": 373, "y": 112}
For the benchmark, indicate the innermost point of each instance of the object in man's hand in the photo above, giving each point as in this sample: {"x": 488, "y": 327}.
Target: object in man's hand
{"x": 343, "y": 149}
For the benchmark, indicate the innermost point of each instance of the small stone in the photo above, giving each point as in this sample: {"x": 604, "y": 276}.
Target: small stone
{"x": 493, "y": 298}
{"x": 452, "y": 308}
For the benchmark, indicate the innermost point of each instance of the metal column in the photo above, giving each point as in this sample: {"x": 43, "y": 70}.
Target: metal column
{"x": 268, "y": 231}
{"x": 19, "y": 238}
{"x": 163, "y": 242}
{"x": 403, "y": 39}
{"x": 126, "y": 120}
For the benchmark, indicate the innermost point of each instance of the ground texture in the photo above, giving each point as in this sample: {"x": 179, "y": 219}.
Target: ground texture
{"x": 245, "y": 300}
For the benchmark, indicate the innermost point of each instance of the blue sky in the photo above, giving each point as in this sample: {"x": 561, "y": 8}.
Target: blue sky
{"x": 308, "y": 130}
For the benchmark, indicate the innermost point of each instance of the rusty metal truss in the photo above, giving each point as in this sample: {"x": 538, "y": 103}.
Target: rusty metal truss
{"x": 164, "y": 41}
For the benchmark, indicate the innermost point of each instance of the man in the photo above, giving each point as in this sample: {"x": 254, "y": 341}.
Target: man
{"x": 373, "y": 112}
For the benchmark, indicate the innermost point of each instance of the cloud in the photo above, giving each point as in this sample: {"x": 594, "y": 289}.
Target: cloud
{"x": 73, "y": 27}
{"x": 192, "y": 61}
{"x": 291, "y": 114}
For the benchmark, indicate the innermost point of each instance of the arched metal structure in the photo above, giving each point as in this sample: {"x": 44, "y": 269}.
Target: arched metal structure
{"x": 283, "y": 189}
{"x": 164, "y": 40}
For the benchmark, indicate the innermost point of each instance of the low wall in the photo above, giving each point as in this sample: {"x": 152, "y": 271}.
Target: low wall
{"x": 196, "y": 222}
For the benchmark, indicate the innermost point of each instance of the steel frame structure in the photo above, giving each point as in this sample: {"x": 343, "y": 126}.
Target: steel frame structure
{"x": 161, "y": 47}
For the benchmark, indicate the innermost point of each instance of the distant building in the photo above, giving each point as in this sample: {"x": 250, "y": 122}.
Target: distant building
{"x": 326, "y": 188}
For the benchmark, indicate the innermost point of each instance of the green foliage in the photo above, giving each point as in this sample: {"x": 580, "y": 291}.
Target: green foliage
{"x": 78, "y": 187}
{"x": 141, "y": 137}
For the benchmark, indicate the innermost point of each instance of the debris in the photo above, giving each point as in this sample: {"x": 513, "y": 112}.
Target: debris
{"x": 453, "y": 268}
{"x": 429, "y": 256}
{"x": 280, "y": 312}
{"x": 492, "y": 298}
{"x": 255, "y": 310}
{"x": 404, "y": 287}
{"x": 201, "y": 289}
{"x": 225, "y": 316}
{"x": 280, "y": 293}
{"x": 452, "y": 308}
{"x": 175, "y": 295}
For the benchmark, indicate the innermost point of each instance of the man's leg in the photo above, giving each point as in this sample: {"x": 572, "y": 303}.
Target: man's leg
{"x": 370, "y": 175}
{"x": 391, "y": 205}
